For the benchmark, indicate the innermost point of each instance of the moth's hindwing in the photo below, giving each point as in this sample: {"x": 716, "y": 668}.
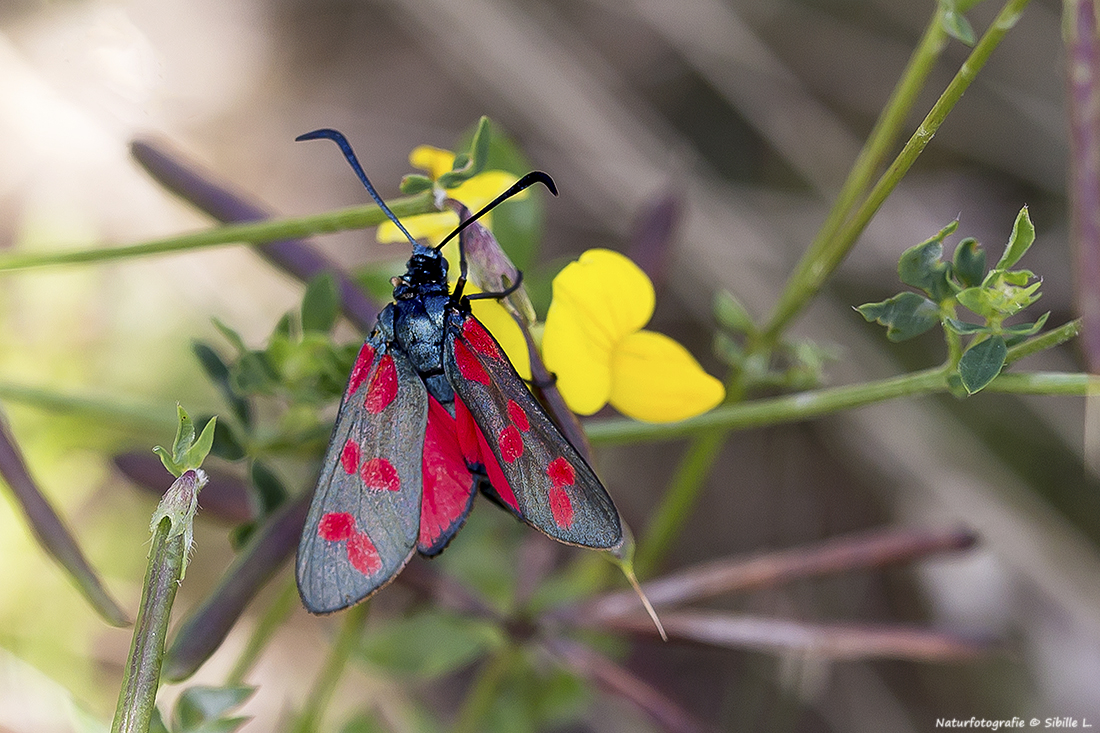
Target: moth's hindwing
{"x": 363, "y": 523}
{"x": 449, "y": 487}
{"x": 533, "y": 469}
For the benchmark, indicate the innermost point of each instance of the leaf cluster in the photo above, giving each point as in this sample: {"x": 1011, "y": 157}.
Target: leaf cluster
{"x": 299, "y": 370}
{"x": 991, "y": 295}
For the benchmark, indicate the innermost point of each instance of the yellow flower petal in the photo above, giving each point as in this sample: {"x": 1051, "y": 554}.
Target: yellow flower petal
{"x": 434, "y": 161}
{"x": 655, "y": 379}
{"x": 504, "y": 329}
{"x": 581, "y": 363}
{"x": 483, "y": 188}
{"x": 432, "y": 227}
{"x": 598, "y": 300}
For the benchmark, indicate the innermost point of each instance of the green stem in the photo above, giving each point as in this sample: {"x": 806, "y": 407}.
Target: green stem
{"x": 773, "y": 410}
{"x": 325, "y": 684}
{"x": 820, "y": 260}
{"x": 271, "y": 230}
{"x": 137, "y": 697}
{"x": 815, "y": 403}
{"x": 486, "y": 688}
{"x": 277, "y": 612}
{"x": 1043, "y": 341}
{"x": 1046, "y": 383}
{"x": 885, "y": 133}
{"x": 677, "y": 503}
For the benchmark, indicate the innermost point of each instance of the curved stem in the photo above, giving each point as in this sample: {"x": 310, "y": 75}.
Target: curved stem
{"x": 821, "y": 259}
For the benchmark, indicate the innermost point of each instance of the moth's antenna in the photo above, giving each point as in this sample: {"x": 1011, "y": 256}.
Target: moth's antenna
{"x": 345, "y": 147}
{"x": 528, "y": 180}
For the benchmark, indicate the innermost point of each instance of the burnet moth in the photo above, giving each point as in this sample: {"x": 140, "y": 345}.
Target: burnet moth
{"x": 433, "y": 411}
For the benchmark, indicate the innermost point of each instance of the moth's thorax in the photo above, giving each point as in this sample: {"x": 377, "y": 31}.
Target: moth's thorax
{"x": 416, "y": 325}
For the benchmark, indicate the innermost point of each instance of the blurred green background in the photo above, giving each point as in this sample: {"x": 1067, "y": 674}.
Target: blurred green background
{"x": 748, "y": 113}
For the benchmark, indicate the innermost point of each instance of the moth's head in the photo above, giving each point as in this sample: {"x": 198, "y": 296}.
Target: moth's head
{"x": 425, "y": 272}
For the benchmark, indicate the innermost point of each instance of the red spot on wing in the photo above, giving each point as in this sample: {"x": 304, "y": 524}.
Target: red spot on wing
{"x": 561, "y": 473}
{"x": 518, "y": 416}
{"x": 511, "y": 444}
{"x": 468, "y": 365}
{"x": 448, "y": 483}
{"x": 383, "y": 386}
{"x": 561, "y": 507}
{"x": 362, "y": 366}
{"x": 363, "y": 555}
{"x": 349, "y": 457}
{"x": 479, "y": 338}
{"x": 379, "y": 474}
{"x": 336, "y": 526}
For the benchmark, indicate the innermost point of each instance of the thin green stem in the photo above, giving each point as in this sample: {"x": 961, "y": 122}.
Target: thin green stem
{"x": 885, "y": 132}
{"x": 356, "y": 217}
{"x": 773, "y": 410}
{"x": 678, "y": 502}
{"x": 137, "y": 697}
{"x": 277, "y": 612}
{"x": 485, "y": 690}
{"x": 820, "y": 261}
{"x": 325, "y": 685}
{"x": 1046, "y": 383}
{"x": 1044, "y": 341}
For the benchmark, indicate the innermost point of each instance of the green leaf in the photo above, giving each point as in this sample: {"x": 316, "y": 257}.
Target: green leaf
{"x": 185, "y": 434}
{"x": 976, "y": 300}
{"x": 969, "y": 262}
{"x": 982, "y": 362}
{"x": 226, "y": 446}
{"x": 905, "y": 315}
{"x": 220, "y": 374}
{"x": 199, "y": 704}
{"x": 1023, "y": 235}
{"x": 270, "y": 490}
{"x": 230, "y": 335}
{"x": 428, "y": 644}
{"x": 414, "y": 183}
{"x": 731, "y": 314}
{"x": 922, "y": 267}
{"x": 957, "y": 26}
{"x": 320, "y": 304}
{"x": 198, "y": 452}
{"x": 964, "y": 328}
{"x": 467, "y": 168}
{"x": 727, "y": 350}
{"x": 1027, "y": 329}
{"x": 253, "y": 374}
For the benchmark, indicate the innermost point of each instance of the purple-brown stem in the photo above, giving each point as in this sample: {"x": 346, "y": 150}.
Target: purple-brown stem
{"x": 622, "y": 682}
{"x": 1083, "y": 100}
{"x": 296, "y": 257}
{"x": 51, "y": 531}
{"x": 831, "y": 641}
{"x": 864, "y": 550}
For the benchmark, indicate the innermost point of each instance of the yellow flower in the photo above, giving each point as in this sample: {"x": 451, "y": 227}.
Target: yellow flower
{"x": 593, "y": 341}
{"x": 474, "y": 193}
